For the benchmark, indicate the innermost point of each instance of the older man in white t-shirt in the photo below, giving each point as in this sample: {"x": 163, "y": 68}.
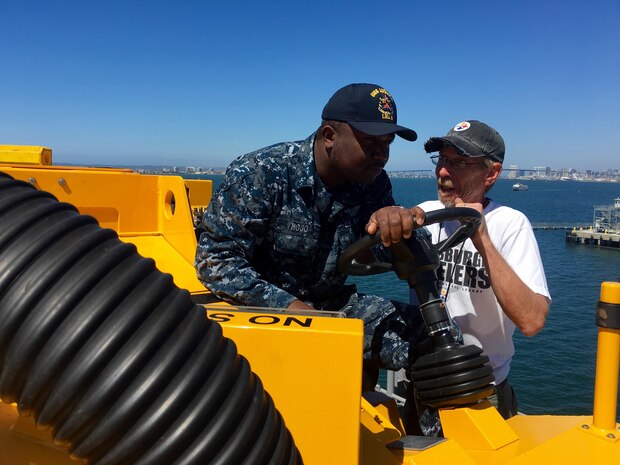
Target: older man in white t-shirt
{"x": 494, "y": 281}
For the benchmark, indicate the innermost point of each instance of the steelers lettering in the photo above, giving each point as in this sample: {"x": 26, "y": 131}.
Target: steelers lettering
{"x": 463, "y": 268}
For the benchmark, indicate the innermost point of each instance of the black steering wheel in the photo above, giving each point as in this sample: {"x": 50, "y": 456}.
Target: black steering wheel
{"x": 452, "y": 374}
{"x": 408, "y": 250}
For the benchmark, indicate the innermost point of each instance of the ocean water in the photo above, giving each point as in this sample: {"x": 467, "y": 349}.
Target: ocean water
{"x": 552, "y": 372}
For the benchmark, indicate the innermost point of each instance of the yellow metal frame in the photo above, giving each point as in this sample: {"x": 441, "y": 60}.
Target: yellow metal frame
{"x": 309, "y": 363}
{"x": 150, "y": 211}
{"x": 312, "y": 367}
{"x": 22, "y": 444}
{"x": 25, "y": 155}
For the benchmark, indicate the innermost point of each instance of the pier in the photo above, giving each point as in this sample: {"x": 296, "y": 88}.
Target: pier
{"x": 607, "y": 239}
{"x": 556, "y": 226}
{"x": 605, "y": 231}
{"x": 585, "y": 235}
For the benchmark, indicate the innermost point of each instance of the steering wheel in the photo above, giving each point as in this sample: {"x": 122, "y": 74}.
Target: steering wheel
{"x": 452, "y": 374}
{"x": 408, "y": 250}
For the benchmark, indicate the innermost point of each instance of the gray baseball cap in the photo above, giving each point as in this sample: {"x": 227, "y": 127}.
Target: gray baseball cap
{"x": 471, "y": 138}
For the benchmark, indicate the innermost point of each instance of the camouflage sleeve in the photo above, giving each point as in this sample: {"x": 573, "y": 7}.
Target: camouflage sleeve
{"x": 236, "y": 221}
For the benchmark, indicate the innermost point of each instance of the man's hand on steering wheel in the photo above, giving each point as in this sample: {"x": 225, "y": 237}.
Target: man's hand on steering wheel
{"x": 395, "y": 223}
{"x": 482, "y": 228}
{"x": 354, "y": 260}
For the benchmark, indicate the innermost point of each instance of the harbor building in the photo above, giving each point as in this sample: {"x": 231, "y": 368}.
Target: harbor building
{"x": 512, "y": 174}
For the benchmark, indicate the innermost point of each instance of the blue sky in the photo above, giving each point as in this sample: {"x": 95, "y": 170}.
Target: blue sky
{"x": 198, "y": 83}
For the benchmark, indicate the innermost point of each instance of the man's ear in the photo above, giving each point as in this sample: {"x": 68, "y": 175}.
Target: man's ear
{"x": 328, "y": 134}
{"x": 494, "y": 171}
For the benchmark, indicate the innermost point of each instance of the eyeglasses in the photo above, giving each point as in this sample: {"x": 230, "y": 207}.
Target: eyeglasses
{"x": 457, "y": 164}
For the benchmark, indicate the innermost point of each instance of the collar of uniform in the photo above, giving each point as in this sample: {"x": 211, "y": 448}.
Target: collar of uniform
{"x": 305, "y": 164}
{"x": 304, "y": 182}
{"x": 310, "y": 186}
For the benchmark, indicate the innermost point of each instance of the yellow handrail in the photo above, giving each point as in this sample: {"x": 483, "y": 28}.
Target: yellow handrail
{"x": 608, "y": 357}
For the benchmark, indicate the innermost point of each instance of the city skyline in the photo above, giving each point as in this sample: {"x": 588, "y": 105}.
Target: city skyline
{"x": 608, "y": 175}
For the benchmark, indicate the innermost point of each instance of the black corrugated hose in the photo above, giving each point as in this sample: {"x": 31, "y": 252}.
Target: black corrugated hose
{"x": 107, "y": 353}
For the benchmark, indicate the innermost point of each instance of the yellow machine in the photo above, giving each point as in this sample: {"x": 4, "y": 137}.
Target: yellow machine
{"x": 320, "y": 402}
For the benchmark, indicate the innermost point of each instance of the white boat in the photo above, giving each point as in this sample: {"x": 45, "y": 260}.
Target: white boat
{"x": 519, "y": 187}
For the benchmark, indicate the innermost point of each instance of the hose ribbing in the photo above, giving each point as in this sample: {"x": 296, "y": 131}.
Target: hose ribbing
{"x": 106, "y": 352}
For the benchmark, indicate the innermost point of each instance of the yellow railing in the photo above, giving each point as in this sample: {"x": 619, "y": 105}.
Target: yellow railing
{"x": 607, "y": 360}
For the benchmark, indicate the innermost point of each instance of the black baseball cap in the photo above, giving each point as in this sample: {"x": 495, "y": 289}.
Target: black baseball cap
{"x": 471, "y": 138}
{"x": 369, "y": 108}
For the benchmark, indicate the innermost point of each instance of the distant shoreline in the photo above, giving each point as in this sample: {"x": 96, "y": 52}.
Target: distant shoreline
{"x": 610, "y": 175}
{"x": 419, "y": 175}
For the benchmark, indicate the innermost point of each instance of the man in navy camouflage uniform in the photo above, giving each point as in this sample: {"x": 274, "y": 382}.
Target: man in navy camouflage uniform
{"x": 284, "y": 213}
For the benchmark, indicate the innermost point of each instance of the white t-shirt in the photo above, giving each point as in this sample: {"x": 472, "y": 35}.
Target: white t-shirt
{"x": 469, "y": 298}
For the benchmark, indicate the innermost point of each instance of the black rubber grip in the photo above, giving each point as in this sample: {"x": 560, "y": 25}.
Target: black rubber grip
{"x": 106, "y": 352}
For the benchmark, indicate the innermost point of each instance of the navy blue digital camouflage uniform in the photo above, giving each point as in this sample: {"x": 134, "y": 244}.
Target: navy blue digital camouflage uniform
{"x": 274, "y": 232}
